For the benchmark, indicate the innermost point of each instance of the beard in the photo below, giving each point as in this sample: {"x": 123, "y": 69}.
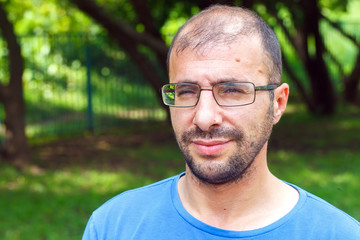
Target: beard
{"x": 237, "y": 165}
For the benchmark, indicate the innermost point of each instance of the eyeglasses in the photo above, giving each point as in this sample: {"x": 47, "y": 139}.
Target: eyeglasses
{"x": 228, "y": 94}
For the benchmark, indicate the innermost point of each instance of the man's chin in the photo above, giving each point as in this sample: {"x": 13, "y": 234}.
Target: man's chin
{"x": 211, "y": 171}
{"x": 213, "y": 179}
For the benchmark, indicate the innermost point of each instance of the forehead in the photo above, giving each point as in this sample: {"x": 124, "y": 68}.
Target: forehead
{"x": 242, "y": 60}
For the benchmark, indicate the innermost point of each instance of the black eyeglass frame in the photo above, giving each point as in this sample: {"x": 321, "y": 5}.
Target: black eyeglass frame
{"x": 256, "y": 88}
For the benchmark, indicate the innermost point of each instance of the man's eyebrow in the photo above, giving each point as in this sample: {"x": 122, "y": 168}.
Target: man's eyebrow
{"x": 230, "y": 79}
{"x": 186, "y": 81}
{"x": 216, "y": 81}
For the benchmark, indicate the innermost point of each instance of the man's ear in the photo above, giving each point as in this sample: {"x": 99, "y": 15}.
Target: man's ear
{"x": 281, "y": 95}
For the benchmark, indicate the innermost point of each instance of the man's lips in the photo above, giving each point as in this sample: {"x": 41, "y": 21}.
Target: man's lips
{"x": 210, "y": 147}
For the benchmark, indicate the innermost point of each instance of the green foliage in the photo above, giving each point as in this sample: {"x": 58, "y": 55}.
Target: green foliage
{"x": 55, "y": 71}
{"x": 48, "y": 17}
{"x": 169, "y": 91}
{"x": 120, "y": 9}
{"x": 53, "y": 65}
{"x": 4, "y": 73}
{"x": 340, "y": 10}
{"x": 339, "y": 47}
{"x": 177, "y": 16}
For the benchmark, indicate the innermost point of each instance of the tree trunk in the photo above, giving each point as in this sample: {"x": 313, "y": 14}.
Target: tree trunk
{"x": 15, "y": 148}
{"x": 322, "y": 88}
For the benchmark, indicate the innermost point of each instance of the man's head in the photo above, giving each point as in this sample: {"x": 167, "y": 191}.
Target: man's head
{"x": 223, "y": 25}
{"x": 216, "y": 63}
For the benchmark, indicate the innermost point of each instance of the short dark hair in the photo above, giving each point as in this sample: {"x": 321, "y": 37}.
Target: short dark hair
{"x": 222, "y": 25}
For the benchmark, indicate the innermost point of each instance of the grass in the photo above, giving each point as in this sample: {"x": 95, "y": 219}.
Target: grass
{"x": 71, "y": 177}
{"x": 333, "y": 176}
{"x": 56, "y": 204}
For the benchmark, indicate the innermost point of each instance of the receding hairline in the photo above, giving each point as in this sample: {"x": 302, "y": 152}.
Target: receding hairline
{"x": 222, "y": 25}
{"x": 228, "y": 23}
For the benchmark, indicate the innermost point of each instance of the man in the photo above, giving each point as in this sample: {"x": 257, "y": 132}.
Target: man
{"x": 225, "y": 95}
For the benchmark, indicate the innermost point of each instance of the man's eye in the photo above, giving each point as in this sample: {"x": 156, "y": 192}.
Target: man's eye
{"x": 233, "y": 90}
{"x": 185, "y": 92}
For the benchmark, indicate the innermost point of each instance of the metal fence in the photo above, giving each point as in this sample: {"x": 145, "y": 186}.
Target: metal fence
{"x": 76, "y": 82}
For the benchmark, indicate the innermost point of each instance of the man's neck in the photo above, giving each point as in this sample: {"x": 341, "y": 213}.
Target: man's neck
{"x": 254, "y": 201}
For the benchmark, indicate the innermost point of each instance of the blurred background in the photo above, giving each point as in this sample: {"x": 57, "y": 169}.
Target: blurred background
{"x": 81, "y": 117}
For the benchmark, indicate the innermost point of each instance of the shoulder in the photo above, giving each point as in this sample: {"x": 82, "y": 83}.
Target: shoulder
{"x": 137, "y": 198}
{"x": 319, "y": 205}
{"x": 318, "y": 214}
{"x": 129, "y": 210}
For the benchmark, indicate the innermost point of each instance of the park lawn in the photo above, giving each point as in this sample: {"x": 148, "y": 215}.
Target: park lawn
{"x": 71, "y": 177}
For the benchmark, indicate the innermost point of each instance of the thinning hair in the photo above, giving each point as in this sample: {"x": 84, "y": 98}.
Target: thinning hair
{"x": 221, "y": 25}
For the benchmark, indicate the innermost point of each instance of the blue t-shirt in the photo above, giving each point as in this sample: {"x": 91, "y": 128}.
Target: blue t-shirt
{"x": 155, "y": 212}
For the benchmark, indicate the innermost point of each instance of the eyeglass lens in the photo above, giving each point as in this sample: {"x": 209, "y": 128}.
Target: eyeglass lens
{"x": 226, "y": 94}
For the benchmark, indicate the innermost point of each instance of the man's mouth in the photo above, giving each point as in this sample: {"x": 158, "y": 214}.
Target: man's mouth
{"x": 210, "y": 147}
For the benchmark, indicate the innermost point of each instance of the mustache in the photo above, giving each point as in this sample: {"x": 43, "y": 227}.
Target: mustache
{"x": 218, "y": 132}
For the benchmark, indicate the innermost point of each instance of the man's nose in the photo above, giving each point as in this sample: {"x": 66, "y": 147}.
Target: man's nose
{"x": 207, "y": 112}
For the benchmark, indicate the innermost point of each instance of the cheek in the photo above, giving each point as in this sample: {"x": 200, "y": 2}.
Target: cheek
{"x": 238, "y": 117}
{"x": 247, "y": 120}
{"x": 180, "y": 119}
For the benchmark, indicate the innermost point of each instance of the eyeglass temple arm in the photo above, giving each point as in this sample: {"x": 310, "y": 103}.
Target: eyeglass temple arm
{"x": 266, "y": 88}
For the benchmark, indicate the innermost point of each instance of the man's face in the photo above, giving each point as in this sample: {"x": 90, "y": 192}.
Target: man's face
{"x": 220, "y": 143}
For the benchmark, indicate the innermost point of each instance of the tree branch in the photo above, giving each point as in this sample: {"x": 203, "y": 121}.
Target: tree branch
{"x": 144, "y": 15}
{"x": 286, "y": 32}
{"x": 286, "y": 64}
{"x": 345, "y": 34}
{"x": 352, "y": 80}
{"x": 120, "y": 30}
{"x": 297, "y": 42}
{"x": 355, "y": 74}
{"x": 129, "y": 40}
{"x": 337, "y": 63}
